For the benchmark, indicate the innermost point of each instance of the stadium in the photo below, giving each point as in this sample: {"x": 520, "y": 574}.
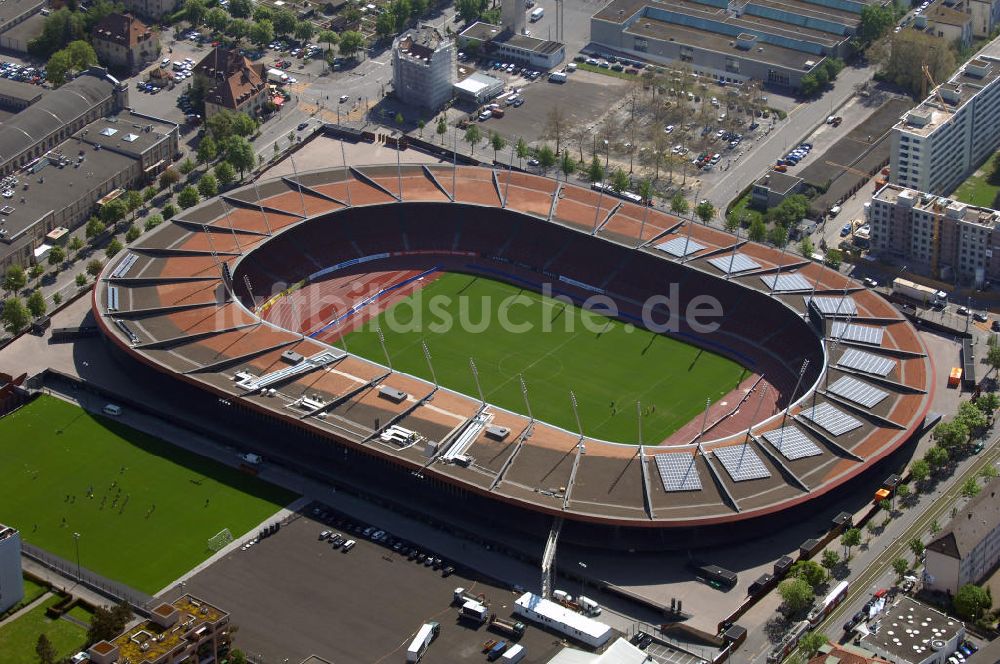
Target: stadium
{"x": 275, "y": 309}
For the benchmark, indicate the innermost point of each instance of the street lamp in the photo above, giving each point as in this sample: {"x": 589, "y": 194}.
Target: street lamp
{"x": 583, "y": 565}
{"x": 76, "y": 540}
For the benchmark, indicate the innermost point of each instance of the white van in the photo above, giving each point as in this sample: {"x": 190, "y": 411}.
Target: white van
{"x": 589, "y": 606}
{"x": 537, "y": 13}
{"x": 112, "y": 410}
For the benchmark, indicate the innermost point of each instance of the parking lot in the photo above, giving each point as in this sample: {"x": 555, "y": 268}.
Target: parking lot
{"x": 293, "y": 596}
{"x": 666, "y": 655}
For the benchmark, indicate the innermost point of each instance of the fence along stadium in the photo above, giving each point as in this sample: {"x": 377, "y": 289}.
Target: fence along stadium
{"x": 849, "y": 376}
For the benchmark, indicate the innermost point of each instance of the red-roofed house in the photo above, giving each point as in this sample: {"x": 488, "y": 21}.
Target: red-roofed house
{"x": 125, "y": 42}
{"x": 239, "y": 84}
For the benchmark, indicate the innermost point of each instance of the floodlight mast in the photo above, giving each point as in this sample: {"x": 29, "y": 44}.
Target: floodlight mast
{"x": 347, "y": 175}
{"x": 524, "y": 393}
{"x": 475, "y": 377}
{"x": 381, "y": 340}
{"x": 298, "y": 185}
{"x": 763, "y": 393}
{"x": 430, "y": 365}
{"x": 510, "y": 172}
{"x": 802, "y": 372}
{"x": 638, "y": 414}
{"x": 576, "y": 414}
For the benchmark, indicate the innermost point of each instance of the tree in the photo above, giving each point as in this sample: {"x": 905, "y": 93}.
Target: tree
{"x": 36, "y": 271}
{"x": 132, "y": 234}
{"x": 94, "y": 267}
{"x": 169, "y": 210}
{"x": 885, "y": 505}
{"x": 81, "y": 281}
{"x": 57, "y": 298}
{"x": 875, "y": 22}
{"x": 810, "y": 572}
{"x": 497, "y": 142}
{"x": 778, "y": 235}
{"x": 56, "y": 256}
{"x": 169, "y": 178}
{"x": 208, "y": 186}
{"x": 556, "y": 124}
{"x": 225, "y": 173}
{"x": 850, "y": 538}
{"x": 15, "y": 315}
{"x": 188, "y": 197}
{"x": 106, "y": 624}
{"x": 113, "y": 211}
{"x": 351, "y": 41}
{"x": 646, "y": 191}
{"x": 113, "y": 248}
{"x": 679, "y": 204}
{"x": 470, "y": 10}
{"x": 399, "y": 118}
{"x": 36, "y": 303}
{"x": 834, "y": 257}
{"x": 45, "y": 650}
{"x": 521, "y": 148}
{"x": 596, "y": 171}
{"x": 920, "y": 470}
{"x": 58, "y": 29}
{"x": 239, "y": 153}
{"x": 901, "y": 57}
{"x": 241, "y": 8}
{"x": 936, "y": 457}
{"x": 952, "y": 435}
{"x": 972, "y": 416}
{"x": 567, "y": 165}
{"x": 57, "y": 68}
{"x": 442, "y": 128}
{"x": 385, "y": 25}
{"x": 705, "y": 211}
{"x": 806, "y": 247}
{"x": 152, "y": 221}
{"x": 217, "y": 19}
{"x": 132, "y": 200}
{"x": 284, "y": 21}
{"x": 186, "y": 166}
{"x": 304, "y": 30}
{"x": 811, "y": 643}
{"x": 757, "y": 231}
{"x": 796, "y": 595}
{"x": 971, "y": 602}
{"x": 993, "y": 356}
{"x": 75, "y": 244}
{"x": 830, "y": 558}
{"x": 237, "y": 657}
{"x": 148, "y": 194}
{"x": 94, "y": 228}
{"x": 546, "y": 158}
{"x": 917, "y": 547}
{"x": 900, "y": 567}
{"x": 262, "y": 13}
{"x": 473, "y": 136}
{"x": 619, "y": 181}
{"x": 420, "y": 127}
{"x": 971, "y": 488}
{"x": 194, "y": 11}
{"x": 207, "y": 150}
{"x": 14, "y": 279}
{"x": 262, "y": 32}
{"x": 903, "y": 492}
{"x": 989, "y": 472}
{"x": 328, "y": 37}
{"x": 732, "y": 221}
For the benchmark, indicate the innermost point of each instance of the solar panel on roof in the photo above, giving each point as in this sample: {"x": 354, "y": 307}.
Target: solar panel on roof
{"x": 858, "y": 391}
{"x": 833, "y": 306}
{"x": 678, "y": 472}
{"x": 832, "y": 419}
{"x": 786, "y": 282}
{"x": 866, "y": 362}
{"x": 865, "y": 334}
{"x": 742, "y": 463}
{"x": 680, "y": 247}
{"x": 734, "y": 263}
{"x": 792, "y": 443}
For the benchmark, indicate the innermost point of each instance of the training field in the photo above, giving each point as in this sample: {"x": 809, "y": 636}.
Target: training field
{"x": 55, "y": 452}
{"x": 608, "y": 364}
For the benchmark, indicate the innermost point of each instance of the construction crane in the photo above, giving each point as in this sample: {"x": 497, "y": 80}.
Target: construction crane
{"x": 934, "y": 87}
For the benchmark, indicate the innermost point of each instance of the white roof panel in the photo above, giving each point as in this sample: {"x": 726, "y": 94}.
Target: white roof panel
{"x": 680, "y": 247}
{"x": 734, "y": 262}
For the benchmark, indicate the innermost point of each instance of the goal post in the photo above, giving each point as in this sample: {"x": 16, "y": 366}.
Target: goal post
{"x": 220, "y": 539}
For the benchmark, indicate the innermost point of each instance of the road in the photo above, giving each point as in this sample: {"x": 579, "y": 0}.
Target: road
{"x": 801, "y": 121}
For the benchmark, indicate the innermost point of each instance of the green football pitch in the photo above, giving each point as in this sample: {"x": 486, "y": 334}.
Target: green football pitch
{"x": 144, "y": 508}
{"x": 609, "y": 365}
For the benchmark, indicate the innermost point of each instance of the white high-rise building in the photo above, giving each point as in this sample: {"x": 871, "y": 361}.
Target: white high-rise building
{"x": 938, "y": 144}
{"x": 423, "y": 68}
{"x": 11, "y": 582}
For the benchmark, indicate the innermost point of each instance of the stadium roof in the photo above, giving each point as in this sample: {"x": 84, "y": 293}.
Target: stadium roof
{"x": 174, "y": 314}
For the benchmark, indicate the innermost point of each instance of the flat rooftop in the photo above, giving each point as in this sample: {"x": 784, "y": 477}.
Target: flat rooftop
{"x": 11, "y": 9}
{"x": 26, "y": 30}
{"x": 973, "y": 214}
{"x": 160, "y": 640}
{"x": 532, "y": 44}
{"x": 27, "y": 92}
{"x": 779, "y": 182}
{"x": 125, "y": 132}
{"x": 713, "y": 41}
{"x": 481, "y": 30}
{"x": 907, "y": 628}
{"x": 930, "y": 114}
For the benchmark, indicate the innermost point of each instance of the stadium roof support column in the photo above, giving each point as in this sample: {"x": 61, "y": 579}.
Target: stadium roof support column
{"x": 347, "y": 172}
{"x": 260, "y": 204}
{"x": 510, "y": 172}
{"x": 430, "y": 365}
{"x": 778, "y": 273}
{"x": 719, "y": 482}
{"x": 399, "y": 172}
{"x": 572, "y": 476}
{"x": 791, "y": 400}
{"x": 381, "y": 340}
{"x": 302, "y": 199}
{"x": 756, "y": 412}
{"x": 646, "y": 496}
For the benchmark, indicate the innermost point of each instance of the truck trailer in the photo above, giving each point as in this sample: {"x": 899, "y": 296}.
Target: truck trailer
{"x": 513, "y": 629}
{"x": 474, "y": 612}
{"x": 417, "y": 648}
{"x": 924, "y": 295}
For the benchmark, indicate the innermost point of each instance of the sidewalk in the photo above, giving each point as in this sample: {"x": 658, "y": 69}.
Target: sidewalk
{"x": 68, "y": 585}
{"x": 23, "y": 610}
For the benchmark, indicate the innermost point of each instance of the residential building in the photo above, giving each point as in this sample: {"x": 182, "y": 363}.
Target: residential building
{"x": 494, "y": 41}
{"x": 940, "y": 142}
{"x": 423, "y": 68}
{"x": 11, "y": 581}
{"x": 968, "y": 549}
{"x": 240, "y": 85}
{"x": 899, "y": 642}
{"x": 61, "y": 187}
{"x": 833, "y": 653}
{"x": 57, "y": 116}
{"x": 772, "y": 188}
{"x": 16, "y": 96}
{"x": 773, "y": 42}
{"x": 938, "y": 236}
{"x": 985, "y": 16}
{"x": 152, "y": 9}
{"x": 125, "y": 42}
{"x": 947, "y": 20}
{"x": 187, "y": 629}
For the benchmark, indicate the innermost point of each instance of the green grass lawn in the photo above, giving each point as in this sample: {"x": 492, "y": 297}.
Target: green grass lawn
{"x": 82, "y": 614}
{"x": 18, "y": 638}
{"x": 55, "y": 452}
{"x": 977, "y": 190}
{"x": 617, "y": 363}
